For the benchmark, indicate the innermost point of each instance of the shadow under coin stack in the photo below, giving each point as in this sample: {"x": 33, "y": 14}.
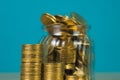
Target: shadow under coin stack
{"x": 31, "y": 61}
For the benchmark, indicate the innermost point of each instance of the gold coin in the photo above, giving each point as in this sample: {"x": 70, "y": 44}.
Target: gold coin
{"x": 71, "y": 77}
{"x": 30, "y": 77}
{"x": 33, "y": 47}
{"x": 35, "y": 69}
{"x": 52, "y": 69}
{"x": 69, "y": 22}
{"x": 32, "y": 53}
{"x": 31, "y": 68}
{"x": 72, "y": 28}
{"x": 52, "y": 72}
{"x": 53, "y": 77}
{"x": 82, "y": 78}
{"x": 32, "y": 60}
{"x": 48, "y": 19}
{"x": 70, "y": 66}
{"x": 31, "y": 64}
{"x": 31, "y": 71}
{"x": 54, "y": 64}
{"x": 58, "y": 73}
{"x": 32, "y": 56}
{"x": 60, "y": 18}
{"x": 30, "y": 74}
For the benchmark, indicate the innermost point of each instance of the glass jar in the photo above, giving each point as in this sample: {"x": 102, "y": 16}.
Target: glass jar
{"x": 70, "y": 45}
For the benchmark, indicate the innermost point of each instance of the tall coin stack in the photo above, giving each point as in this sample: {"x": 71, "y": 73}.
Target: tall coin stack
{"x": 53, "y": 71}
{"x": 31, "y": 61}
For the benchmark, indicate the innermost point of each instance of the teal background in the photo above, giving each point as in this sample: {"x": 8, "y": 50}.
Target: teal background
{"x": 20, "y": 24}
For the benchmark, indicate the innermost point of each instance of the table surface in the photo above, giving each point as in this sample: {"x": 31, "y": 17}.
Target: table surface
{"x": 98, "y": 76}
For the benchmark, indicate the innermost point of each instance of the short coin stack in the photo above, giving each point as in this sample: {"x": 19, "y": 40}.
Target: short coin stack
{"x": 31, "y": 61}
{"x": 53, "y": 71}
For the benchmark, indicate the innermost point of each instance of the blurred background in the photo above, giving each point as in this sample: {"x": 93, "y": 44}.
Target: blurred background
{"x": 20, "y": 24}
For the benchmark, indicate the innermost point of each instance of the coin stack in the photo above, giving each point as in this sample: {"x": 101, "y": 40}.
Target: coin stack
{"x": 53, "y": 71}
{"x": 31, "y": 61}
{"x": 68, "y": 56}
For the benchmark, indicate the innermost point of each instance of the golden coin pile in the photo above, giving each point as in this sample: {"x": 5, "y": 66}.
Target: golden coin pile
{"x": 63, "y": 25}
{"x": 53, "y": 71}
{"x": 31, "y": 61}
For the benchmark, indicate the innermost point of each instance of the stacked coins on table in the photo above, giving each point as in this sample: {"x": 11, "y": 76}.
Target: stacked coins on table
{"x": 53, "y": 71}
{"x": 31, "y": 61}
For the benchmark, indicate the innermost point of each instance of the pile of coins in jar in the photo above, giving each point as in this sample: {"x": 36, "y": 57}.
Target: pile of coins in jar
{"x": 64, "y": 54}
